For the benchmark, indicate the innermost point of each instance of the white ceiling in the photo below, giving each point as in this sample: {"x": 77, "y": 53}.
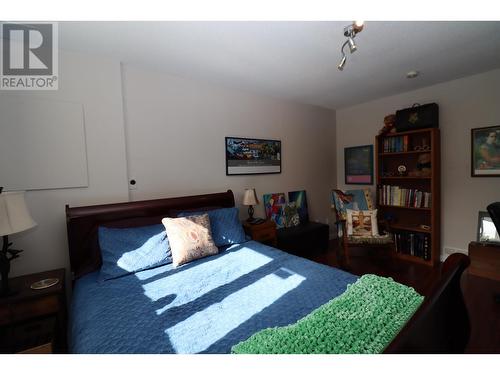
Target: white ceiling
{"x": 297, "y": 60}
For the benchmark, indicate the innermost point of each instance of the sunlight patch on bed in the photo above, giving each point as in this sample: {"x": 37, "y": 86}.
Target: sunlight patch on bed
{"x": 204, "y": 328}
{"x": 148, "y": 274}
{"x": 192, "y": 282}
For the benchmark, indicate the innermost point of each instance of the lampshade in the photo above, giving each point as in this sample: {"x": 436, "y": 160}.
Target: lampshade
{"x": 250, "y": 197}
{"x": 14, "y": 215}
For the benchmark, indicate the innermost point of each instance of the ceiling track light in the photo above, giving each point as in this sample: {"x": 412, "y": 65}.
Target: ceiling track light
{"x": 342, "y": 61}
{"x": 350, "y": 32}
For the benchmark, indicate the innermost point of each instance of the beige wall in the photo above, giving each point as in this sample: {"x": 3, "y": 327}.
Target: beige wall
{"x": 175, "y": 131}
{"x": 95, "y": 83}
{"x": 463, "y": 104}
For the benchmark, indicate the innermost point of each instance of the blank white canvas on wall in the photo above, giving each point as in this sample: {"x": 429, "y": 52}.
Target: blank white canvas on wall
{"x": 42, "y": 144}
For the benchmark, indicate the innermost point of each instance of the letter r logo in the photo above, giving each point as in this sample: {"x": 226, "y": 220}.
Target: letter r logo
{"x": 27, "y": 49}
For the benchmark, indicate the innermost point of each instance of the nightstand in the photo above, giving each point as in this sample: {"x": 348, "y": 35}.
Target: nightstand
{"x": 264, "y": 232}
{"x": 34, "y": 320}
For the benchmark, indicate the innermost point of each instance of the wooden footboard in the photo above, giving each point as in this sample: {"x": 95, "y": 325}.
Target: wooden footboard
{"x": 441, "y": 324}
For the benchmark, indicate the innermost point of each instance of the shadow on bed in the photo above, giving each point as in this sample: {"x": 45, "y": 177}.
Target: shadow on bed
{"x": 249, "y": 287}
{"x": 276, "y": 293}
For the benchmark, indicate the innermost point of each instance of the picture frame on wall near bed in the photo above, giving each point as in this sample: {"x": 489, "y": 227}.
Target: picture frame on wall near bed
{"x": 246, "y": 156}
{"x": 358, "y": 163}
{"x": 485, "y": 151}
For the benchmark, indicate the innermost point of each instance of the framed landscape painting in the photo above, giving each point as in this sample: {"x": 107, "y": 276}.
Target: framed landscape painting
{"x": 485, "y": 152}
{"x": 252, "y": 156}
{"x": 358, "y": 162}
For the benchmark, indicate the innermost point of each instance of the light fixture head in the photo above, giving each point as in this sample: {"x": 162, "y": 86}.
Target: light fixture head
{"x": 342, "y": 63}
{"x": 358, "y": 26}
{"x": 352, "y": 45}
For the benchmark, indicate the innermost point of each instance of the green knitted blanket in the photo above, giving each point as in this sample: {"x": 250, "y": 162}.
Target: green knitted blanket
{"x": 363, "y": 319}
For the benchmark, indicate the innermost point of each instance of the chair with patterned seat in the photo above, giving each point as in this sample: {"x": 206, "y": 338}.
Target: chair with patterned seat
{"x": 357, "y": 223}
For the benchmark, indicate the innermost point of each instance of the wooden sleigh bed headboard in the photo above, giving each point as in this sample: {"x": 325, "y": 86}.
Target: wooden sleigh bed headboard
{"x": 82, "y": 222}
{"x": 440, "y": 325}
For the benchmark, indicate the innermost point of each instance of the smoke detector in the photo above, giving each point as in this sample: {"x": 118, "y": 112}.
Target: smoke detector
{"x": 412, "y": 74}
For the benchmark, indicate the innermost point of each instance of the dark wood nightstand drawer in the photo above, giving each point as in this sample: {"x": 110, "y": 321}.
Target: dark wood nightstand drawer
{"x": 34, "y": 317}
{"x": 264, "y": 232}
{"x": 4, "y": 316}
{"x": 29, "y": 334}
{"x": 29, "y": 309}
{"x": 264, "y": 235}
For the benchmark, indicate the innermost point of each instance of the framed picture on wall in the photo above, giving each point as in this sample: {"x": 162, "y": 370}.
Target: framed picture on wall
{"x": 252, "y": 156}
{"x": 485, "y": 152}
{"x": 358, "y": 163}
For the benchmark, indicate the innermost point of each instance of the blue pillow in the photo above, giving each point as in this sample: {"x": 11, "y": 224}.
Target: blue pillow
{"x": 225, "y": 224}
{"x": 128, "y": 250}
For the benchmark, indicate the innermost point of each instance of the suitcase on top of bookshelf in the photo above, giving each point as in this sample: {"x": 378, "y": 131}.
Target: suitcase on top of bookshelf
{"x": 417, "y": 117}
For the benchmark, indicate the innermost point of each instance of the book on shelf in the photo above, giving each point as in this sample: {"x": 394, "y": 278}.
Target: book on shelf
{"x": 416, "y": 244}
{"x": 390, "y": 195}
{"x": 396, "y": 144}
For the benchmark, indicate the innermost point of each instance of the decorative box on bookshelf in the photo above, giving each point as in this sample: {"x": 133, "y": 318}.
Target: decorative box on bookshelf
{"x": 408, "y": 192}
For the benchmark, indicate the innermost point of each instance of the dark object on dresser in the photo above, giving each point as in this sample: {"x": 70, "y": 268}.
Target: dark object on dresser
{"x": 494, "y": 211}
{"x": 417, "y": 117}
{"x": 441, "y": 314}
{"x": 304, "y": 238}
{"x": 34, "y": 318}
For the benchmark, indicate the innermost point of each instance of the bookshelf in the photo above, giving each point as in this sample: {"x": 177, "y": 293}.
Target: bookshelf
{"x": 410, "y": 198}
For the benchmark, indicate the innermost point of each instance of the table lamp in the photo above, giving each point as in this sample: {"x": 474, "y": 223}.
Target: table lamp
{"x": 14, "y": 218}
{"x": 250, "y": 199}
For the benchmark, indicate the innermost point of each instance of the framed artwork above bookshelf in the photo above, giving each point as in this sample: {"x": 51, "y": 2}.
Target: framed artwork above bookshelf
{"x": 408, "y": 192}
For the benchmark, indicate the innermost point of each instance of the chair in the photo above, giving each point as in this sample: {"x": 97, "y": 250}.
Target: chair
{"x": 355, "y": 200}
{"x": 494, "y": 211}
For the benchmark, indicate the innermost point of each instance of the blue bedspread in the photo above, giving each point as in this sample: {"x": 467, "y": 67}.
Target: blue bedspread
{"x": 205, "y": 306}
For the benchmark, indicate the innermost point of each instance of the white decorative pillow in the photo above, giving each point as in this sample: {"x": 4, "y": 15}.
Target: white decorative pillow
{"x": 362, "y": 223}
{"x": 190, "y": 238}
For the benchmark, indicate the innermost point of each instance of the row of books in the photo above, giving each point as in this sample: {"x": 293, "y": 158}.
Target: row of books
{"x": 417, "y": 244}
{"x": 396, "y": 144}
{"x": 397, "y": 196}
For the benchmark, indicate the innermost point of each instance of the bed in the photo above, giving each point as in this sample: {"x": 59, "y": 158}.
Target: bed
{"x": 213, "y": 303}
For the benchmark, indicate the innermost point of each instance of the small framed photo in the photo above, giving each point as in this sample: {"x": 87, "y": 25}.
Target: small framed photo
{"x": 485, "y": 152}
{"x": 358, "y": 162}
{"x": 252, "y": 156}
{"x": 486, "y": 231}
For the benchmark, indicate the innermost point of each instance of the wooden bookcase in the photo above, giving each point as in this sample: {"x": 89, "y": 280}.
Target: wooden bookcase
{"x": 416, "y": 230}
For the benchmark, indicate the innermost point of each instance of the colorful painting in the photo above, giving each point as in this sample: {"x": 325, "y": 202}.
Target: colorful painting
{"x": 485, "y": 143}
{"x": 299, "y": 197}
{"x": 274, "y": 207}
{"x": 358, "y": 164}
{"x": 292, "y": 218}
{"x": 359, "y": 199}
{"x": 252, "y": 156}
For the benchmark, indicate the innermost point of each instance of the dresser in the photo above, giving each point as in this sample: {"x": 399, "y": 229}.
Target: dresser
{"x": 485, "y": 260}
